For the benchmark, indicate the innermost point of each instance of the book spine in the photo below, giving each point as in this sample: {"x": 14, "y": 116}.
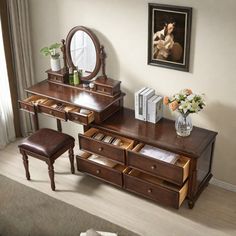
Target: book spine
{"x": 141, "y": 103}
{"x": 152, "y": 112}
{"x": 146, "y": 96}
{"x": 136, "y": 102}
{"x": 159, "y": 109}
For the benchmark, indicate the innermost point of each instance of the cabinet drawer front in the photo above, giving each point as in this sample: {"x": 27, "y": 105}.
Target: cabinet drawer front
{"x": 52, "y": 112}
{"x": 157, "y": 193}
{"x": 108, "y": 174}
{"x": 104, "y": 89}
{"x": 102, "y": 149}
{"x": 26, "y": 106}
{"x": 81, "y": 118}
{"x": 173, "y": 173}
{"x": 30, "y": 103}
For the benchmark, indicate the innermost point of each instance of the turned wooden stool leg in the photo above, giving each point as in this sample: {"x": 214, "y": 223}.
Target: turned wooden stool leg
{"x": 51, "y": 174}
{"x": 71, "y": 156}
{"x": 26, "y": 164}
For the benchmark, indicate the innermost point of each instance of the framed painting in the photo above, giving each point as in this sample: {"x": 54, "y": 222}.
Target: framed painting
{"x": 169, "y": 33}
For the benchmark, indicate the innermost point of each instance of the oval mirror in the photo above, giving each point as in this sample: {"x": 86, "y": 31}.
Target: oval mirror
{"x": 83, "y": 52}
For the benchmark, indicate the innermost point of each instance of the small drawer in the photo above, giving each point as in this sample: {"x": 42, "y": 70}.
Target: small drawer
{"x": 101, "y": 168}
{"x": 104, "y": 89}
{"x": 75, "y": 116}
{"x": 154, "y": 188}
{"x": 109, "y": 150}
{"x": 176, "y": 173}
{"x": 31, "y": 102}
{"x": 55, "y": 109}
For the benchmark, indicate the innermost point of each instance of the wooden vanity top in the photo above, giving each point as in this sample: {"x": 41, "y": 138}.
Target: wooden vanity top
{"x": 70, "y": 95}
{"x": 162, "y": 134}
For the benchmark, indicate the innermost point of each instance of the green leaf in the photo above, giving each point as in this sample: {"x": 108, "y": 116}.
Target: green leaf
{"x": 55, "y": 46}
{"x": 45, "y": 51}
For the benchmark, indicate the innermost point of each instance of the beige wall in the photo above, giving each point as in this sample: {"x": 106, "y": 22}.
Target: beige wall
{"x": 121, "y": 27}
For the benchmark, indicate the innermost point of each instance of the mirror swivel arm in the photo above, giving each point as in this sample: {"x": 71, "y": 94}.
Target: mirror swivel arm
{"x": 102, "y": 58}
{"x": 63, "y": 49}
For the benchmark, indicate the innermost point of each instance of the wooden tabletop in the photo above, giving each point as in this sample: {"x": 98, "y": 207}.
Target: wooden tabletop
{"x": 162, "y": 134}
{"x": 70, "y": 95}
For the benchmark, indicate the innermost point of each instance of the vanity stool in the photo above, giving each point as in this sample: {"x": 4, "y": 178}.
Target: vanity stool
{"x": 47, "y": 145}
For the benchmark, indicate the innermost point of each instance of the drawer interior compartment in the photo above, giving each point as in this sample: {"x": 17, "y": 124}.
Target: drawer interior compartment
{"x": 55, "y": 109}
{"x": 177, "y": 171}
{"x": 81, "y": 115}
{"x": 100, "y": 167}
{"x": 105, "y": 144}
{"x": 29, "y": 103}
{"x": 155, "y": 188}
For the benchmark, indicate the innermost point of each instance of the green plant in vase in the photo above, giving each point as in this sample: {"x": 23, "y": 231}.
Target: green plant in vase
{"x": 52, "y": 51}
{"x": 185, "y": 102}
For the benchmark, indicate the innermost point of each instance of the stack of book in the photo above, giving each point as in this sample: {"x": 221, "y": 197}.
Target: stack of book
{"x": 148, "y": 106}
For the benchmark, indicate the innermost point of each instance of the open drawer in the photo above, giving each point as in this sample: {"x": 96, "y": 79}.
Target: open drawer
{"x": 100, "y": 167}
{"x": 81, "y": 116}
{"x": 176, "y": 173}
{"x": 154, "y": 188}
{"x": 55, "y": 109}
{"x": 31, "y": 102}
{"x": 105, "y": 144}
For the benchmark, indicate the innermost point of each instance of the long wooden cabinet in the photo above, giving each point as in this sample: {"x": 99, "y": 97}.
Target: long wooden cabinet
{"x": 125, "y": 167}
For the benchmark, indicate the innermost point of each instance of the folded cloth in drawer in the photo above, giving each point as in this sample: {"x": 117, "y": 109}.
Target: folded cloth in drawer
{"x": 159, "y": 154}
{"x": 92, "y": 232}
{"x": 84, "y": 111}
{"x": 102, "y": 161}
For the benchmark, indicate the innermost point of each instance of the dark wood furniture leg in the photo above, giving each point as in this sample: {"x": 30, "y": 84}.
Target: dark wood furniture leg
{"x": 35, "y": 120}
{"x": 26, "y": 164}
{"x": 51, "y": 174}
{"x": 59, "y": 128}
{"x": 71, "y": 156}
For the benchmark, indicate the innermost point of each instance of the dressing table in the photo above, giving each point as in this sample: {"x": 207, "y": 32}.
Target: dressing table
{"x": 119, "y": 161}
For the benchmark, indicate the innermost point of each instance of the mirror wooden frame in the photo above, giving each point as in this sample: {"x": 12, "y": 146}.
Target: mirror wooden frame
{"x": 97, "y": 48}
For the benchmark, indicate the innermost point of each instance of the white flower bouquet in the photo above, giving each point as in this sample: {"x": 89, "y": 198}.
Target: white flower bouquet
{"x": 185, "y": 102}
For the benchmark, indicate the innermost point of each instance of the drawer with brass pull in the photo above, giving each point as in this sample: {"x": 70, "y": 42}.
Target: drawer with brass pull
{"x": 101, "y": 168}
{"x": 30, "y": 103}
{"x": 79, "y": 116}
{"x": 94, "y": 141}
{"x": 154, "y": 188}
{"x": 55, "y": 109}
{"x": 176, "y": 173}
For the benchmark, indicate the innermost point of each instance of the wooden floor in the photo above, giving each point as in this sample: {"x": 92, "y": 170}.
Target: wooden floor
{"x": 214, "y": 212}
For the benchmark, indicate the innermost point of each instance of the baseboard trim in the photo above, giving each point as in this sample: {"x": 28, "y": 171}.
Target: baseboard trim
{"x": 223, "y": 184}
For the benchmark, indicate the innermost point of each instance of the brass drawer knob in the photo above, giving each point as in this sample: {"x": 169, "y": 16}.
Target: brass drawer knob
{"x": 149, "y": 190}
{"x": 51, "y": 112}
{"x": 25, "y": 107}
{"x": 98, "y": 171}
{"x": 76, "y": 118}
{"x": 153, "y": 167}
{"x": 100, "y": 149}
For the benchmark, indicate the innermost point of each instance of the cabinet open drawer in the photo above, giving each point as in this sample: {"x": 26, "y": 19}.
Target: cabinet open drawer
{"x": 55, "y": 109}
{"x": 176, "y": 173}
{"x": 155, "y": 188}
{"x": 115, "y": 151}
{"x": 101, "y": 168}
{"x": 77, "y": 116}
{"x": 31, "y": 102}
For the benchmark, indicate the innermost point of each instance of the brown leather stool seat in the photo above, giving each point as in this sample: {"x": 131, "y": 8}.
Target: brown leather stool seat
{"x": 47, "y": 145}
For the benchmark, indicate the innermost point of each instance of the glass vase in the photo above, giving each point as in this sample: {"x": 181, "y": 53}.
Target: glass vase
{"x": 183, "y": 125}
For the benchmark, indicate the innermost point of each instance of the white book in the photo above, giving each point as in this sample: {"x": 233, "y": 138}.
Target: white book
{"x": 136, "y": 102}
{"x": 150, "y": 107}
{"x": 146, "y": 96}
{"x": 140, "y": 104}
{"x": 155, "y": 109}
